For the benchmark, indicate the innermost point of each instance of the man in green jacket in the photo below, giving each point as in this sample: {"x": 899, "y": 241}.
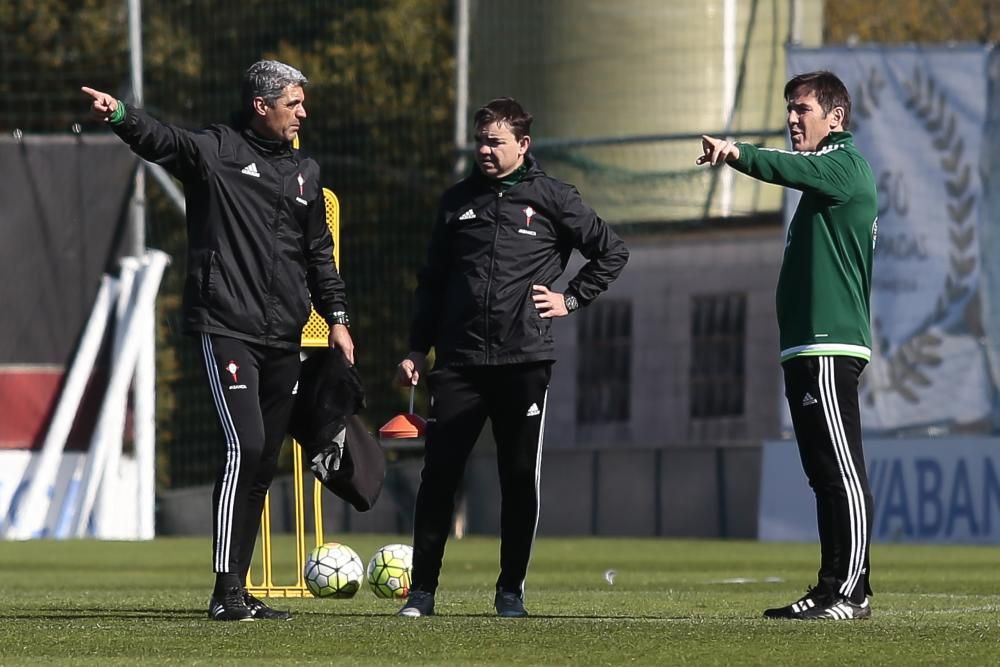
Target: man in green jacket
{"x": 823, "y": 317}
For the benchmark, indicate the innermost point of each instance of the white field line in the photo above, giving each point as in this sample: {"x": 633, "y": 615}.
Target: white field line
{"x": 879, "y": 595}
{"x": 947, "y": 596}
{"x": 700, "y": 620}
{"x": 991, "y": 608}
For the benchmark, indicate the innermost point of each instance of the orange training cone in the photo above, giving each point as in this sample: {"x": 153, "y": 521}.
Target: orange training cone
{"x": 405, "y": 425}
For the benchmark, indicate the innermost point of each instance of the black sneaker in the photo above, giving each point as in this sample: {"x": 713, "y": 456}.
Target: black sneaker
{"x": 262, "y": 612}
{"x": 810, "y": 600}
{"x": 420, "y": 603}
{"x": 509, "y": 605}
{"x": 230, "y": 606}
{"x": 838, "y": 609}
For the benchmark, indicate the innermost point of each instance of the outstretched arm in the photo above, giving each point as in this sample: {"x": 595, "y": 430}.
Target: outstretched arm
{"x": 829, "y": 173}
{"x": 717, "y": 151}
{"x": 104, "y": 106}
{"x": 162, "y": 143}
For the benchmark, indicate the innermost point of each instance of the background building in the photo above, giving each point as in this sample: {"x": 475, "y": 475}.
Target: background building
{"x": 666, "y": 387}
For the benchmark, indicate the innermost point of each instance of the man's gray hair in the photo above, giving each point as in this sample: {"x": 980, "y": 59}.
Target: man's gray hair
{"x": 268, "y": 79}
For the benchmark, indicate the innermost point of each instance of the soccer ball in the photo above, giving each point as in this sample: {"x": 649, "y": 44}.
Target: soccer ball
{"x": 333, "y": 570}
{"x": 389, "y": 571}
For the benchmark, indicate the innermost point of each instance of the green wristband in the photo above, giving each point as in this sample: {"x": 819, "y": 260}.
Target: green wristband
{"x": 118, "y": 115}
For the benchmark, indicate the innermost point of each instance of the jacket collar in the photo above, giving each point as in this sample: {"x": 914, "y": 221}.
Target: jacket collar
{"x": 836, "y": 138}
{"x": 531, "y": 167}
{"x": 267, "y": 147}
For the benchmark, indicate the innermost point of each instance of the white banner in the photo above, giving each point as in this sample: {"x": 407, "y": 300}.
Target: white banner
{"x": 119, "y": 518}
{"x": 918, "y": 117}
{"x": 926, "y": 490}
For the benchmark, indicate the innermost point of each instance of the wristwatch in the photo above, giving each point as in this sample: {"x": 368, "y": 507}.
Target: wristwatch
{"x": 571, "y": 303}
{"x": 340, "y": 317}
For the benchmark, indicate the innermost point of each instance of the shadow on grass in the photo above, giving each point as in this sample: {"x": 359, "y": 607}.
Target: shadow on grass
{"x": 53, "y": 614}
{"x": 491, "y": 615}
{"x": 184, "y": 614}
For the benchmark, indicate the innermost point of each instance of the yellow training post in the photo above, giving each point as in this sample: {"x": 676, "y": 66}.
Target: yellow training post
{"x": 314, "y": 334}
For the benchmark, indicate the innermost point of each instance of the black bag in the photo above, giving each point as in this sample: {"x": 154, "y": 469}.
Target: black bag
{"x": 341, "y": 453}
{"x": 361, "y": 473}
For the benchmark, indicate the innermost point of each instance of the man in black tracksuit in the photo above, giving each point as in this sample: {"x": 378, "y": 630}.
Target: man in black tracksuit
{"x": 501, "y": 239}
{"x": 259, "y": 252}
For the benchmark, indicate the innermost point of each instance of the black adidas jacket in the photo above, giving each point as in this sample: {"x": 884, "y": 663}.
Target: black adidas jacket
{"x": 488, "y": 247}
{"x": 258, "y": 243}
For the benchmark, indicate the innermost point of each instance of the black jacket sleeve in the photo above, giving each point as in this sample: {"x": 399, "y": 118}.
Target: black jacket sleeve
{"x": 431, "y": 281}
{"x": 326, "y": 287}
{"x": 179, "y": 151}
{"x": 597, "y": 242}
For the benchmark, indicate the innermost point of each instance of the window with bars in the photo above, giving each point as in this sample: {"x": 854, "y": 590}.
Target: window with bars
{"x": 604, "y": 362}
{"x": 718, "y": 366}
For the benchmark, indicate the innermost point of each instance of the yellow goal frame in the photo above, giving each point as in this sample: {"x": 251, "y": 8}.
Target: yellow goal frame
{"x": 314, "y": 334}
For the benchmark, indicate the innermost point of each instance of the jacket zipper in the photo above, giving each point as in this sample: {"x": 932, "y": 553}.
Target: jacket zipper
{"x": 274, "y": 253}
{"x": 489, "y": 280}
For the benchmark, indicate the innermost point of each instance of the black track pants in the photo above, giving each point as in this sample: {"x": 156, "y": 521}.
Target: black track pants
{"x": 251, "y": 387}
{"x": 513, "y": 398}
{"x": 822, "y": 395}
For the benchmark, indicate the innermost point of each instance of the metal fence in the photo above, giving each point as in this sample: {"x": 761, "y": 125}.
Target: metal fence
{"x": 599, "y": 76}
{"x": 380, "y": 124}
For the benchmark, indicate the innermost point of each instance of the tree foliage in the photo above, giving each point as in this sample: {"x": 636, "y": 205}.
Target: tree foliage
{"x": 911, "y": 21}
{"x": 380, "y": 107}
{"x": 380, "y": 104}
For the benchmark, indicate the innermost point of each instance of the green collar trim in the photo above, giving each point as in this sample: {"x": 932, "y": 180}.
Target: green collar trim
{"x": 514, "y": 177}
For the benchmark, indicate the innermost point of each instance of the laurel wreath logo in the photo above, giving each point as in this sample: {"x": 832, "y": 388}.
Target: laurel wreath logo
{"x": 909, "y": 365}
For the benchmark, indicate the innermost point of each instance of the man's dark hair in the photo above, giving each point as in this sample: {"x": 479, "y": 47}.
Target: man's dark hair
{"x": 505, "y": 110}
{"x": 829, "y": 90}
{"x": 268, "y": 79}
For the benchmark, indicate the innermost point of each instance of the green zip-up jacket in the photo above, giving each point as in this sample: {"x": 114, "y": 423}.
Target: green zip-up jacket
{"x": 824, "y": 286}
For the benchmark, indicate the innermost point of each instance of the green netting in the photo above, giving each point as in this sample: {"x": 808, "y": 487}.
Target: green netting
{"x": 380, "y": 104}
{"x": 381, "y": 115}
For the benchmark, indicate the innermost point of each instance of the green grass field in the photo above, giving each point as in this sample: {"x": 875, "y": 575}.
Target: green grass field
{"x": 672, "y": 603}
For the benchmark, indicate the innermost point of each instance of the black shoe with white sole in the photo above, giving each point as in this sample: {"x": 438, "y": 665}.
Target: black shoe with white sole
{"x": 810, "y": 600}
{"x": 420, "y": 603}
{"x": 260, "y": 611}
{"x": 838, "y": 609}
{"x": 229, "y": 606}
{"x": 509, "y": 605}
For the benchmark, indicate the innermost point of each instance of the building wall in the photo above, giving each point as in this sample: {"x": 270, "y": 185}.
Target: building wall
{"x": 590, "y": 69}
{"x": 704, "y": 492}
{"x": 662, "y": 277}
{"x": 660, "y": 473}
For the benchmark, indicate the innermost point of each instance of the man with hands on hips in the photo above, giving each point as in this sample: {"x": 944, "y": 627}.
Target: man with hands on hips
{"x": 502, "y": 237}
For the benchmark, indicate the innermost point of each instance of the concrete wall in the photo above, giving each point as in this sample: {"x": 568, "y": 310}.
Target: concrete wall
{"x": 660, "y": 280}
{"x": 658, "y": 473}
{"x": 670, "y": 492}
{"x": 599, "y": 68}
